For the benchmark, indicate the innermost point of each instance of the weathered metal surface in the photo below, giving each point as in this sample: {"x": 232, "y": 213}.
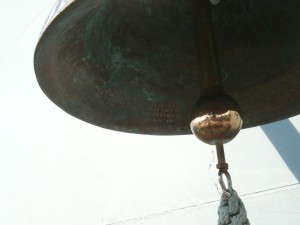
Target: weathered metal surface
{"x": 132, "y": 65}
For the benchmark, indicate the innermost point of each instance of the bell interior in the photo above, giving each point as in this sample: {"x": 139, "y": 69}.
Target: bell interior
{"x": 132, "y": 65}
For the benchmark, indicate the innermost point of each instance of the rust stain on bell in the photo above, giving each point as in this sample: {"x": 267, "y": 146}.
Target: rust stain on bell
{"x": 132, "y": 65}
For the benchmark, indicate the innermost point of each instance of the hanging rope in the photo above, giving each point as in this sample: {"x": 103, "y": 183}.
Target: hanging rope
{"x": 231, "y": 209}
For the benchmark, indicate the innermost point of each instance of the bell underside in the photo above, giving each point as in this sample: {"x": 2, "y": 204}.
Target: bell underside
{"x": 132, "y": 65}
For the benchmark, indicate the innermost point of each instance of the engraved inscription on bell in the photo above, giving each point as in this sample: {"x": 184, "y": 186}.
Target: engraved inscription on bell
{"x": 161, "y": 113}
{"x": 113, "y": 98}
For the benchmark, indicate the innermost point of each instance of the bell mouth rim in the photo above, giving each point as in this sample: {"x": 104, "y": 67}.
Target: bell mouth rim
{"x": 255, "y": 113}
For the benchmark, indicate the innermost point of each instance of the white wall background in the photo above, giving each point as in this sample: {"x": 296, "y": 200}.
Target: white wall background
{"x": 55, "y": 169}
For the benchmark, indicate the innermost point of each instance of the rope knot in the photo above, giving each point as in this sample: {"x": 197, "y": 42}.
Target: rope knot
{"x": 231, "y": 209}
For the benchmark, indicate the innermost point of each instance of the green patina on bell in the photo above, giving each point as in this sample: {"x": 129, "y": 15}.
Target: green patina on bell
{"x": 133, "y": 65}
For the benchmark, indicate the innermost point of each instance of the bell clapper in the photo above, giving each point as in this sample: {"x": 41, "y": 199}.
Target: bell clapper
{"x": 216, "y": 117}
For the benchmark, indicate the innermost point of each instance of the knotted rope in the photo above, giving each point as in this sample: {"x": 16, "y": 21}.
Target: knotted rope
{"x": 231, "y": 209}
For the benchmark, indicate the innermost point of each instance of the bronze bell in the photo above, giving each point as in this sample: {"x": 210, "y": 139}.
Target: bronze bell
{"x": 135, "y": 65}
